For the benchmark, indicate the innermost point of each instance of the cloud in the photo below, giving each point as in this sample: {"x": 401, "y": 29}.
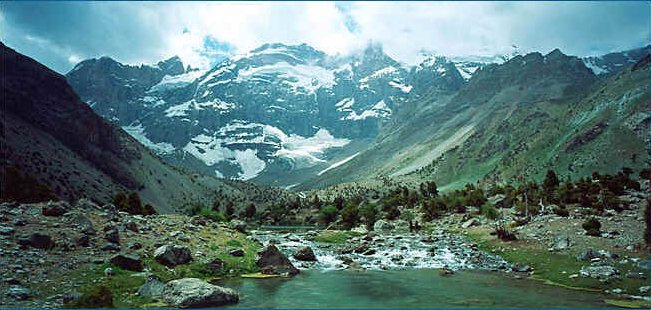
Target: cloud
{"x": 61, "y": 33}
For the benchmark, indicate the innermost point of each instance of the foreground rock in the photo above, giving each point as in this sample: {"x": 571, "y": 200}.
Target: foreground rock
{"x": 599, "y": 272}
{"x": 172, "y": 255}
{"x": 195, "y": 293}
{"x": 238, "y": 225}
{"x": 305, "y": 254}
{"x": 131, "y": 262}
{"x": 272, "y": 261}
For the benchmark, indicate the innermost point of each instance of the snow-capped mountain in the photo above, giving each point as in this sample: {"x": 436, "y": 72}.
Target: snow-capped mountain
{"x": 279, "y": 108}
{"x": 609, "y": 64}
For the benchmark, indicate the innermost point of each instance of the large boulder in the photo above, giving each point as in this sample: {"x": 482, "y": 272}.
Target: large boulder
{"x": 131, "y": 262}
{"x": 599, "y": 272}
{"x": 152, "y": 288}
{"x": 469, "y": 223}
{"x": 172, "y": 255}
{"x": 55, "y": 208}
{"x": 38, "y": 240}
{"x": 195, "y": 293}
{"x": 272, "y": 261}
{"x": 305, "y": 254}
{"x": 560, "y": 243}
{"x": 382, "y": 226}
{"x": 80, "y": 220}
{"x": 238, "y": 225}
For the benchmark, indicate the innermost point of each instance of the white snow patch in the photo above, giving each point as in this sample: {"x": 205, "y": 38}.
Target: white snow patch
{"x": 307, "y": 77}
{"x": 379, "y": 110}
{"x": 595, "y": 69}
{"x": 404, "y": 88}
{"x": 138, "y": 132}
{"x": 177, "y": 81}
{"x": 337, "y": 164}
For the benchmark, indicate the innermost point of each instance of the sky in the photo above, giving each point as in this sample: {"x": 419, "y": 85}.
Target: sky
{"x": 61, "y": 34}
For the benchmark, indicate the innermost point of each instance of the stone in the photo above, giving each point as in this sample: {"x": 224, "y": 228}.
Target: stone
{"x": 152, "y": 288}
{"x": 236, "y": 252}
{"x": 18, "y": 292}
{"x": 599, "y": 272}
{"x": 172, "y": 255}
{"x": 521, "y": 268}
{"x": 112, "y": 235}
{"x": 55, "y": 208}
{"x": 382, "y": 226}
{"x": 131, "y": 262}
{"x": 195, "y": 293}
{"x": 305, "y": 254}
{"x": 645, "y": 290}
{"x": 238, "y": 225}
{"x": 216, "y": 265}
{"x": 19, "y": 221}
{"x": 11, "y": 281}
{"x": 83, "y": 241}
{"x": 361, "y": 229}
{"x": 41, "y": 240}
{"x": 133, "y": 245}
{"x": 81, "y": 221}
{"x": 108, "y": 272}
{"x": 132, "y": 226}
{"x": 588, "y": 255}
{"x": 112, "y": 247}
{"x": 71, "y": 297}
{"x": 469, "y": 223}
{"x": 86, "y": 205}
{"x": 272, "y": 261}
{"x": 6, "y": 231}
{"x": 560, "y": 243}
{"x": 636, "y": 275}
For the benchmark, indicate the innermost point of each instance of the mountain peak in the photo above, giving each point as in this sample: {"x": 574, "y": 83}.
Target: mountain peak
{"x": 172, "y": 66}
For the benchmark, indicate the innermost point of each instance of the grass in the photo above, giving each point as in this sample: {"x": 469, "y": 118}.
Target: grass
{"x": 335, "y": 236}
{"x": 629, "y": 303}
{"x": 555, "y": 268}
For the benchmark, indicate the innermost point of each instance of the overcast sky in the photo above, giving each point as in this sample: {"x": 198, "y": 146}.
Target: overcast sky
{"x": 62, "y": 34}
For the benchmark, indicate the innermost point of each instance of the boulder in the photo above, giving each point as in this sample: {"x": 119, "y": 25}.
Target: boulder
{"x": 469, "y": 223}
{"x": 272, "y": 261}
{"x": 305, "y": 254}
{"x": 236, "y": 252}
{"x": 131, "y": 262}
{"x": 110, "y": 246}
{"x": 41, "y": 240}
{"x": 86, "y": 205}
{"x": 237, "y": 225}
{"x": 152, "y": 288}
{"x": 560, "y": 243}
{"x": 80, "y": 221}
{"x": 4, "y": 230}
{"x": 599, "y": 272}
{"x": 18, "y": 292}
{"x": 55, "y": 208}
{"x": 131, "y": 225}
{"x": 172, "y": 255}
{"x": 111, "y": 234}
{"x": 361, "y": 229}
{"x": 589, "y": 255}
{"x": 216, "y": 265}
{"x": 382, "y": 226}
{"x": 195, "y": 293}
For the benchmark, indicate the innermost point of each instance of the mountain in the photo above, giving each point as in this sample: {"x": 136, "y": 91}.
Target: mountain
{"x": 610, "y": 64}
{"x": 513, "y": 121}
{"x": 55, "y": 140}
{"x": 277, "y": 115}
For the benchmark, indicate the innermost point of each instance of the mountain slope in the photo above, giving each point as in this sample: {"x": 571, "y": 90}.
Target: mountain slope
{"x": 514, "y": 120}
{"x": 53, "y": 137}
{"x": 275, "y": 115}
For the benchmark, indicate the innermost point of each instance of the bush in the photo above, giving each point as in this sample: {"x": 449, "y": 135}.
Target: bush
{"x": 99, "y": 297}
{"x": 329, "y": 214}
{"x": 369, "y": 213}
{"x": 349, "y": 215}
{"x": 561, "y": 211}
{"x": 504, "y": 234}
{"x": 132, "y": 204}
{"x": 250, "y": 211}
{"x": 489, "y": 211}
{"x": 212, "y": 215}
{"x": 592, "y": 227}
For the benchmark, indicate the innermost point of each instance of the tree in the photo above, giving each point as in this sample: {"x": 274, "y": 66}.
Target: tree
{"x": 250, "y": 211}
{"x": 369, "y": 212}
{"x": 135, "y": 204}
{"x": 329, "y": 214}
{"x": 216, "y": 205}
{"x": 339, "y": 202}
{"x": 350, "y": 216}
{"x": 550, "y": 184}
{"x": 230, "y": 209}
{"x": 316, "y": 202}
{"x": 148, "y": 209}
{"x": 432, "y": 190}
{"x": 120, "y": 201}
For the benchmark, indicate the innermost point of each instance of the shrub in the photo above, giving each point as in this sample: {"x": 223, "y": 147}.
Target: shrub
{"x": 98, "y": 297}
{"x": 349, "y": 215}
{"x": 561, "y": 211}
{"x": 329, "y": 214}
{"x": 212, "y": 215}
{"x": 22, "y": 188}
{"x": 369, "y": 212}
{"x": 592, "y": 227}
{"x": 250, "y": 211}
{"x": 504, "y": 234}
{"x": 489, "y": 211}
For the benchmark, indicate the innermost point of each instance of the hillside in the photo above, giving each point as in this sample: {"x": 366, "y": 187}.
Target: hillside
{"x": 512, "y": 122}
{"x": 51, "y": 137}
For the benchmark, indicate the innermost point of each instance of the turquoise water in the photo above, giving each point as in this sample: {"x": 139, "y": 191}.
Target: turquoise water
{"x": 413, "y": 288}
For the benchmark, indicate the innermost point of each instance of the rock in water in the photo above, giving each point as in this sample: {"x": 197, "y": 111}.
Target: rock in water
{"x": 195, "y": 293}
{"x": 305, "y": 254}
{"x": 131, "y": 262}
{"x": 272, "y": 261}
{"x": 172, "y": 255}
{"x": 382, "y": 226}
